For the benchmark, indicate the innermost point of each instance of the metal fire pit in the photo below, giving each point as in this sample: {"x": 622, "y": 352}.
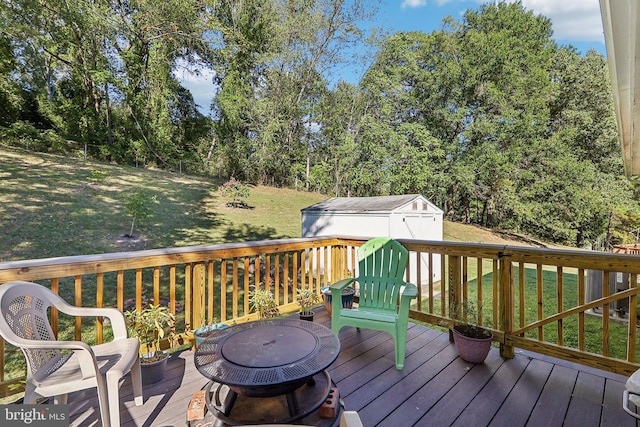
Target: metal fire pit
{"x": 266, "y": 359}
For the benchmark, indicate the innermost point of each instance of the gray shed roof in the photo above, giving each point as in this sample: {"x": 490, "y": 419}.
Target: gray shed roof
{"x": 363, "y": 204}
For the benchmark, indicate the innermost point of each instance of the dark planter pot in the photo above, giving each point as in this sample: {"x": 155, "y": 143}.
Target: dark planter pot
{"x": 204, "y": 331}
{"x": 153, "y": 372}
{"x": 307, "y": 316}
{"x": 348, "y": 295}
{"x": 472, "y": 350}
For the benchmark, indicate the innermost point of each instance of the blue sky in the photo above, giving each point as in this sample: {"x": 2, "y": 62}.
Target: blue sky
{"x": 575, "y": 22}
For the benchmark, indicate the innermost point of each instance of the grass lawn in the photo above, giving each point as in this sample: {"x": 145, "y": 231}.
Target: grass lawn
{"x": 56, "y": 206}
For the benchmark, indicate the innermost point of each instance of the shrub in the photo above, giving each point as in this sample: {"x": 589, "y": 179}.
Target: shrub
{"x": 236, "y": 190}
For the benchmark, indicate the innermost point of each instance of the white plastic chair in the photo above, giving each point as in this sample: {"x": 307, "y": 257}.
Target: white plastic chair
{"x": 52, "y": 373}
{"x": 632, "y": 395}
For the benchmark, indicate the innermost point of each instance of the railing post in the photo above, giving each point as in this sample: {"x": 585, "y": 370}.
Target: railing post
{"x": 341, "y": 269}
{"x": 199, "y": 291}
{"x": 507, "y": 296}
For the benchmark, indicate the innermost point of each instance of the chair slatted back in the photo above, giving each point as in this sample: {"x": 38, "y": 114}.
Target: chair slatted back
{"x": 25, "y": 313}
{"x": 381, "y": 262}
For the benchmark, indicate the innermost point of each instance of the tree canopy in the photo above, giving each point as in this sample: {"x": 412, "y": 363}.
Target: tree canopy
{"x": 488, "y": 117}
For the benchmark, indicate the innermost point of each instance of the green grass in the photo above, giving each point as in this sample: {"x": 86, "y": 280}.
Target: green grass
{"x": 56, "y": 206}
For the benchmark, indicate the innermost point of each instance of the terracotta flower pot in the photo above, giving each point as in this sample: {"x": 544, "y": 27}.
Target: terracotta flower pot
{"x": 473, "y": 350}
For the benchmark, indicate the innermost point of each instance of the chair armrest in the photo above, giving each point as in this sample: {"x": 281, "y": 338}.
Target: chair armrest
{"x": 86, "y": 357}
{"x": 410, "y": 291}
{"x": 115, "y": 316}
{"x": 336, "y": 294}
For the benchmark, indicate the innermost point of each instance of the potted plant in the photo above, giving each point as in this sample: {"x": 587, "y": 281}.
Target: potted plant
{"x": 348, "y": 295}
{"x": 151, "y": 325}
{"x": 203, "y": 332}
{"x": 472, "y": 340}
{"x": 263, "y": 302}
{"x": 307, "y": 298}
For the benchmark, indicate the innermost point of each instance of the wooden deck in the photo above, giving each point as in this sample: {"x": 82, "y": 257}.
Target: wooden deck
{"x": 436, "y": 388}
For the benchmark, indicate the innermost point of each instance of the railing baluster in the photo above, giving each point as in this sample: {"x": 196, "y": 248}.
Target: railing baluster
{"x": 156, "y": 285}
{"x": 443, "y": 286}
{"x": 318, "y": 284}
{"x": 456, "y": 298}
{"x": 581, "y": 301}
{"x": 54, "y": 312}
{"x": 172, "y": 289}
{"x": 267, "y": 272}
{"x": 495, "y": 293}
{"x": 429, "y": 283}
{"x": 246, "y": 288}
{"x": 605, "y": 314}
{"x": 139, "y": 292}
{"x": 199, "y": 294}
{"x": 234, "y": 282}
{"x": 285, "y": 279}
{"x": 522, "y": 293}
{"x": 507, "y": 296}
{"x": 633, "y": 316}
{"x": 99, "y": 303}
{"x": 276, "y": 277}
{"x": 188, "y": 296}
{"x": 120, "y": 289}
{"x": 560, "y": 306}
{"x": 223, "y": 289}
{"x": 480, "y": 300}
{"x": 539, "y": 284}
{"x": 78, "y": 302}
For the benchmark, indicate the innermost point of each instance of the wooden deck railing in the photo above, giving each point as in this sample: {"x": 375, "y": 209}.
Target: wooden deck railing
{"x": 549, "y": 301}
{"x": 538, "y": 299}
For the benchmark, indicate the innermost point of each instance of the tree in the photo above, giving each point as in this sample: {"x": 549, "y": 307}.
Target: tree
{"x": 139, "y": 207}
{"x": 496, "y": 124}
{"x": 10, "y": 99}
{"x": 278, "y": 56}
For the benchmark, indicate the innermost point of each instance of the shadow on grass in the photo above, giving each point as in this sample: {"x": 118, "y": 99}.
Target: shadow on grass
{"x": 248, "y": 232}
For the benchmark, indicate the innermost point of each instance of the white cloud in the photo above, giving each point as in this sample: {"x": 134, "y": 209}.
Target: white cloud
{"x": 413, "y": 3}
{"x": 575, "y": 20}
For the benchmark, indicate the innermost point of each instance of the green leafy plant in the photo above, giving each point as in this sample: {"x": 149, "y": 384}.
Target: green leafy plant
{"x": 466, "y": 320}
{"x": 237, "y": 190}
{"x": 151, "y": 325}
{"x": 307, "y": 298}
{"x": 139, "y": 206}
{"x": 263, "y": 302}
{"x": 98, "y": 176}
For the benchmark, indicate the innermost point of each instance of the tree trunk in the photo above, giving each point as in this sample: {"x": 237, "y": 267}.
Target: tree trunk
{"x": 607, "y": 242}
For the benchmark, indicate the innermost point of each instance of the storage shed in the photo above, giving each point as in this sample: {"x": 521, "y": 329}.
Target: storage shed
{"x": 409, "y": 216}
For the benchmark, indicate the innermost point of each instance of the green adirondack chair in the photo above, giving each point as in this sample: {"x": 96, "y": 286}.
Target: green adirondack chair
{"x": 384, "y": 295}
